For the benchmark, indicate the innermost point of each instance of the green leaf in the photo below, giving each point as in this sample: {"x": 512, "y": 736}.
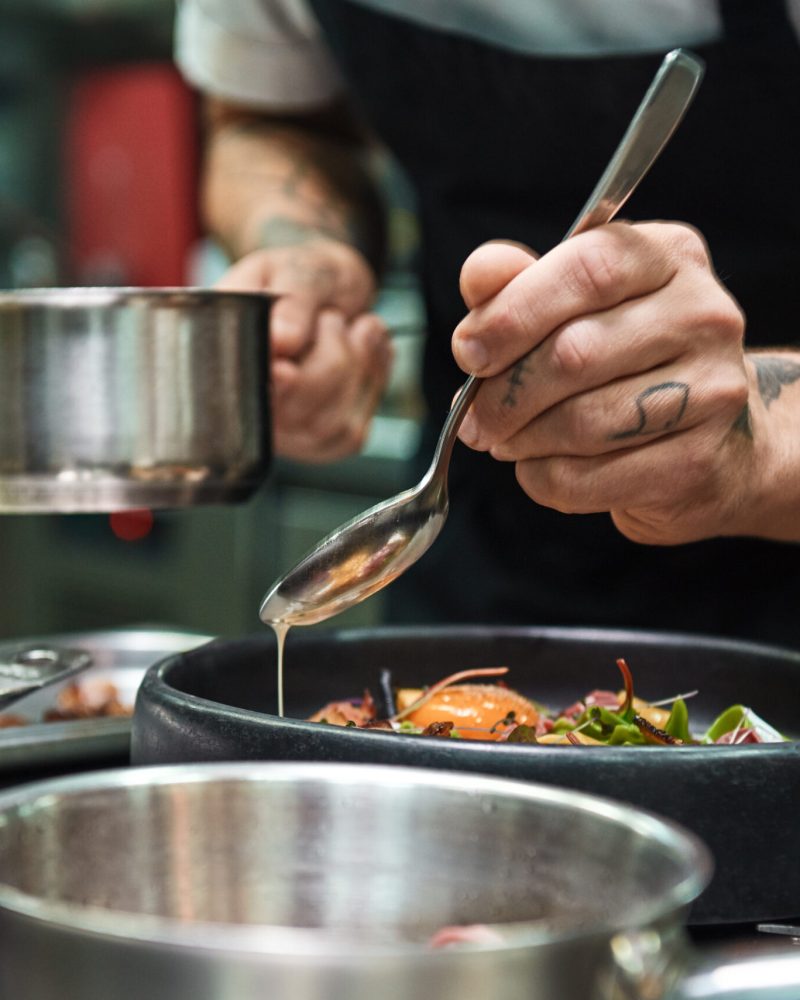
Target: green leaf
{"x": 625, "y": 734}
{"x": 746, "y": 718}
{"x": 725, "y": 722}
{"x": 678, "y": 722}
{"x": 564, "y": 725}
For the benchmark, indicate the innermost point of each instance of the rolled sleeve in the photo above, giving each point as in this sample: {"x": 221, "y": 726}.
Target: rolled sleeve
{"x": 255, "y": 53}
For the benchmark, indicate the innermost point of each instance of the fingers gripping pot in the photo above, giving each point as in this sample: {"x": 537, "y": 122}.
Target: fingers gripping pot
{"x": 118, "y": 398}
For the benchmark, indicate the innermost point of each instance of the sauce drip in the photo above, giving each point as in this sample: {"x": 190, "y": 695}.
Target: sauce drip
{"x": 280, "y": 629}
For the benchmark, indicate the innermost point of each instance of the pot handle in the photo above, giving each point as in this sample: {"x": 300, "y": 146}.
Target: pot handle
{"x": 731, "y": 974}
{"x": 25, "y": 669}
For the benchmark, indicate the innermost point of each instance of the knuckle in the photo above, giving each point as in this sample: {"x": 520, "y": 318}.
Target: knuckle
{"x": 596, "y": 269}
{"x": 554, "y": 484}
{"x": 689, "y": 242}
{"x": 727, "y": 317}
{"x": 571, "y": 351}
{"x": 718, "y": 317}
{"x": 732, "y": 395}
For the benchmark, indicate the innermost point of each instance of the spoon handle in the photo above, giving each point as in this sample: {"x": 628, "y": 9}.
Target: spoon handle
{"x": 659, "y": 114}
{"x": 661, "y": 111}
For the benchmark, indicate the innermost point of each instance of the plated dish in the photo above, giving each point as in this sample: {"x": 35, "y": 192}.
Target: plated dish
{"x": 102, "y": 697}
{"x": 460, "y": 707}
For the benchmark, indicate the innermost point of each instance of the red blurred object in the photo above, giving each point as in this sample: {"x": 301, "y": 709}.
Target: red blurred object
{"x": 131, "y": 158}
{"x": 131, "y": 525}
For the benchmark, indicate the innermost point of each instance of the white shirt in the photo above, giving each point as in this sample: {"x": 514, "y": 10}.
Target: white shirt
{"x": 271, "y": 53}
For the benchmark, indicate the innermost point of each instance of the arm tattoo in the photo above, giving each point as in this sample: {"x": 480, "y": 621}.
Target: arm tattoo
{"x": 321, "y": 166}
{"x": 743, "y": 424}
{"x": 773, "y": 374}
{"x": 283, "y": 231}
{"x": 659, "y": 408}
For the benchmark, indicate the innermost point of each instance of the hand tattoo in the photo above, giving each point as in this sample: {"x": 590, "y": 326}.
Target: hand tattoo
{"x": 773, "y": 374}
{"x": 660, "y": 408}
{"x": 515, "y": 380}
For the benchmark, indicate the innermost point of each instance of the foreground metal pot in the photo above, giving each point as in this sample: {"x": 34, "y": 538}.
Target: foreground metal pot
{"x": 117, "y": 398}
{"x": 242, "y": 881}
{"x": 298, "y": 880}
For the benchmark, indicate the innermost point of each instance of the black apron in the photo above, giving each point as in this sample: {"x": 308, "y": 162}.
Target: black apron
{"x": 499, "y": 144}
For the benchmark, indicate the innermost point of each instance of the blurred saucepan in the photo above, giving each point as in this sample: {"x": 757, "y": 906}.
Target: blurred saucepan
{"x": 114, "y": 398}
{"x": 320, "y": 881}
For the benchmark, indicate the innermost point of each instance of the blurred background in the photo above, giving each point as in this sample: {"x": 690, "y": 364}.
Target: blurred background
{"x": 99, "y": 157}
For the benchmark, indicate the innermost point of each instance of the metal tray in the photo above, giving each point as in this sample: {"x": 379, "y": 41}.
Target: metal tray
{"x": 122, "y": 657}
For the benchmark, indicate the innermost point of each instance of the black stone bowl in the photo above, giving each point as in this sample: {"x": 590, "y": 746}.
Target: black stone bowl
{"x": 218, "y": 702}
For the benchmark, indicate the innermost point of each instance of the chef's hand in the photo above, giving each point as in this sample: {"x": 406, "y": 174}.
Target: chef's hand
{"x": 330, "y": 355}
{"x": 616, "y": 381}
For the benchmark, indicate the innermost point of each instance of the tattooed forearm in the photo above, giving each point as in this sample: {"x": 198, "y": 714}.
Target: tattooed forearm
{"x": 275, "y": 183}
{"x": 284, "y": 231}
{"x": 658, "y": 408}
{"x": 773, "y": 374}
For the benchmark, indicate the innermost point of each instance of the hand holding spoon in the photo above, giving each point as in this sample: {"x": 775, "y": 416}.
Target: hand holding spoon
{"x": 368, "y": 552}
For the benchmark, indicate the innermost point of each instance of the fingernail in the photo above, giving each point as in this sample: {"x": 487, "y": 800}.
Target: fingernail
{"x": 471, "y": 354}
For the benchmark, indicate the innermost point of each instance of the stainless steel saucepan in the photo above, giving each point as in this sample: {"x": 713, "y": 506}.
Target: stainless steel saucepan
{"x": 114, "y": 398}
{"x": 287, "y": 881}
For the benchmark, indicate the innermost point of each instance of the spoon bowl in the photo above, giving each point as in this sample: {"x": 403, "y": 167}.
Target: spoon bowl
{"x": 374, "y": 548}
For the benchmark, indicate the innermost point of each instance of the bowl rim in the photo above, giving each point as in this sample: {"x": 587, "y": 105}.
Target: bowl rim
{"x": 156, "y": 683}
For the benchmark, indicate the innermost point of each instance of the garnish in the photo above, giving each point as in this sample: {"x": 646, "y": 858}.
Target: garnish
{"x": 434, "y": 689}
{"x": 450, "y": 709}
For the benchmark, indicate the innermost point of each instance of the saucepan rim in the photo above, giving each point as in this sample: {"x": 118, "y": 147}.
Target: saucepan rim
{"x": 81, "y": 296}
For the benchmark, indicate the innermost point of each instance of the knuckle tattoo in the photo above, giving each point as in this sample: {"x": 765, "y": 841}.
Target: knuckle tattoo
{"x": 657, "y": 409}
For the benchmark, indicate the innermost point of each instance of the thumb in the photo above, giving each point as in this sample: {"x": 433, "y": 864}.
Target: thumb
{"x": 490, "y": 267}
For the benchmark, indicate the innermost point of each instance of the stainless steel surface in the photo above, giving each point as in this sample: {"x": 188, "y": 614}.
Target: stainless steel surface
{"x": 121, "y": 656}
{"x": 117, "y": 398}
{"x": 25, "y": 669}
{"x": 312, "y": 880}
{"x": 791, "y": 931}
{"x": 737, "y": 975}
{"x": 368, "y": 552}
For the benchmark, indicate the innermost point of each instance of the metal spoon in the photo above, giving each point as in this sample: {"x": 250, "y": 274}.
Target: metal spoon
{"x": 368, "y": 552}
{"x": 25, "y": 669}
